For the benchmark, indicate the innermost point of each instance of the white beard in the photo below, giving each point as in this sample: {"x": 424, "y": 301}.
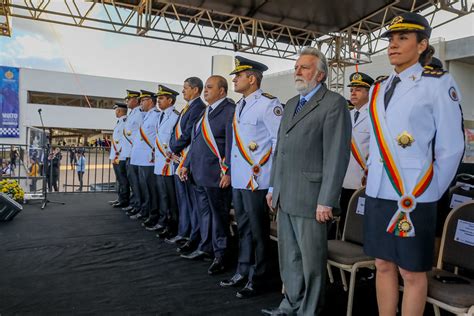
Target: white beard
{"x": 304, "y": 87}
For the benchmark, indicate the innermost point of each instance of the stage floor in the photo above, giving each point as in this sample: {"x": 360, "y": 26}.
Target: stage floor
{"x": 87, "y": 258}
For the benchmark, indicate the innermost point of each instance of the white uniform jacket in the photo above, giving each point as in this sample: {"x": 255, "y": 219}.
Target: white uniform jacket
{"x": 131, "y": 133}
{"x": 117, "y": 141}
{"x": 164, "y": 129}
{"x": 361, "y": 134}
{"x": 142, "y": 150}
{"x": 258, "y": 125}
{"x": 427, "y": 108}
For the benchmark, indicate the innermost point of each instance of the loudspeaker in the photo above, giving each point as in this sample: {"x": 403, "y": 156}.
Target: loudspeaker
{"x": 9, "y": 208}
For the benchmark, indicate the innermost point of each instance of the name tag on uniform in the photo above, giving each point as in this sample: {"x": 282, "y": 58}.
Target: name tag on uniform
{"x": 465, "y": 232}
{"x": 360, "y": 206}
{"x": 458, "y": 200}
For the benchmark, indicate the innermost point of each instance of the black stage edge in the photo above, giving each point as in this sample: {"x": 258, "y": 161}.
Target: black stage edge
{"x": 86, "y": 257}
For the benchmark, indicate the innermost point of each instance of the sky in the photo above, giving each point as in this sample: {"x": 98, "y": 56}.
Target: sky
{"x": 56, "y": 47}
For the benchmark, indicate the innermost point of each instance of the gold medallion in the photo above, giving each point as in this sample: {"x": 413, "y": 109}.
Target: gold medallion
{"x": 165, "y": 146}
{"x": 129, "y": 133}
{"x": 404, "y": 226}
{"x": 116, "y": 141}
{"x": 253, "y": 146}
{"x": 405, "y": 139}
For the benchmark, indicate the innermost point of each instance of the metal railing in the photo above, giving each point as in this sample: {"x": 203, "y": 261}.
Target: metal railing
{"x": 58, "y": 169}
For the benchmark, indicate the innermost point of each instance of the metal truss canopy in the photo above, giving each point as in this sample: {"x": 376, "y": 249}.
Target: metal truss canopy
{"x": 5, "y": 28}
{"x": 347, "y": 31}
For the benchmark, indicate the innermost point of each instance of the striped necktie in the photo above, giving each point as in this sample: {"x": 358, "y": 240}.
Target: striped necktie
{"x": 300, "y": 105}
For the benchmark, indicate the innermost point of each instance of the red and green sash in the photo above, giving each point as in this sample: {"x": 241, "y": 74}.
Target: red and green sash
{"x": 147, "y": 141}
{"x": 401, "y": 224}
{"x": 357, "y": 154}
{"x": 256, "y": 167}
{"x": 177, "y": 134}
{"x": 116, "y": 152}
{"x": 184, "y": 155}
{"x": 126, "y": 137}
{"x": 177, "y": 128}
{"x": 166, "y": 171}
{"x": 211, "y": 141}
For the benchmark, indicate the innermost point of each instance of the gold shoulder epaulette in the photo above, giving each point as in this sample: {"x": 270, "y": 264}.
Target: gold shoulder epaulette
{"x": 268, "y": 95}
{"x": 380, "y": 79}
{"x": 436, "y": 73}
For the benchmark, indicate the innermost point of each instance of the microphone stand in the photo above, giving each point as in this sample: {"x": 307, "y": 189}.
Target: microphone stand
{"x": 46, "y": 148}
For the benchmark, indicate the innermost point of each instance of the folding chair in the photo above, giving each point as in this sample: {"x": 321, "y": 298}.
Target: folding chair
{"x": 456, "y": 251}
{"x": 348, "y": 254}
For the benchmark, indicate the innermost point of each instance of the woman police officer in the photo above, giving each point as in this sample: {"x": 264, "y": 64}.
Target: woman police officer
{"x": 416, "y": 145}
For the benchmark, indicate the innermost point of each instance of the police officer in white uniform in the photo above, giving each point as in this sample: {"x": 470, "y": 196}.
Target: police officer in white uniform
{"x": 143, "y": 156}
{"x": 117, "y": 158}
{"x": 255, "y": 127}
{"x": 164, "y": 167}
{"x": 416, "y": 145}
{"x": 360, "y": 84}
{"x": 130, "y": 133}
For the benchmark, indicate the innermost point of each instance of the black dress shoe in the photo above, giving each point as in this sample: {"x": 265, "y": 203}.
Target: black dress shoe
{"x": 136, "y": 216}
{"x": 273, "y": 312}
{"x": 120, "y": 205}
{"x": 128, "y": 208}
{"x": 247, "y": 292}
{"x": 197, "y": 255}
{"x": 133, "y": 211}
{"x": 216, "y": 267}
{"x": 164, "y": 233}
{"x": 236, "y": 280}
{"x": 176, "y": 240}
{"x": 148, "y": 222}
{"x": 113, "y": 202}
{"x": 187, "y": 247}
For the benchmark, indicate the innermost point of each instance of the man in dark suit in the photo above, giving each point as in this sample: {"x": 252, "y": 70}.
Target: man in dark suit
{"x": 208, "y": 168}
{"x": 188, "y": 226}
{"x": 308, "y": 169}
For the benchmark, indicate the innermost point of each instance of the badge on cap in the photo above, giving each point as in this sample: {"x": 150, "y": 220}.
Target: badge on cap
{"x": 405, "y": 139}
{"x": 357, "y": 76}
{"x": 396, "y": 20}
{"x": 453, "y": 94}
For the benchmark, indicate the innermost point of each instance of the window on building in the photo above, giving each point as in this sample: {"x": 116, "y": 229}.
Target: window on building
{"x": 71, "y": 100}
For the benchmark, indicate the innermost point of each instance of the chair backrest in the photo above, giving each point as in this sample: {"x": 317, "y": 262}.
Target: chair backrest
{"x": 353, "y": 227}
{"x": 457, "y": 242}
{"x": 460, "y": 193}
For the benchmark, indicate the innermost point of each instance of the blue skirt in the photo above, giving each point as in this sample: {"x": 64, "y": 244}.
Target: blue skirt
{"x": 410, "y": 253}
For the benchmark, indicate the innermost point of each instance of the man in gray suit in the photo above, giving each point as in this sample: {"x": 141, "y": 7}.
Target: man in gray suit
{"x": 309, "y": 165}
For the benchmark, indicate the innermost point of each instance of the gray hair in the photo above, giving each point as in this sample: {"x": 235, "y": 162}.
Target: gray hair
{"x": 195, "y": 82}
{"x": 322, "y": 64}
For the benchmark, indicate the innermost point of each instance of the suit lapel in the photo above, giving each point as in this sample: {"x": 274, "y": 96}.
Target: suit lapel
{"x": 308, "y": 107}
{"x": 218, "y": 110}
